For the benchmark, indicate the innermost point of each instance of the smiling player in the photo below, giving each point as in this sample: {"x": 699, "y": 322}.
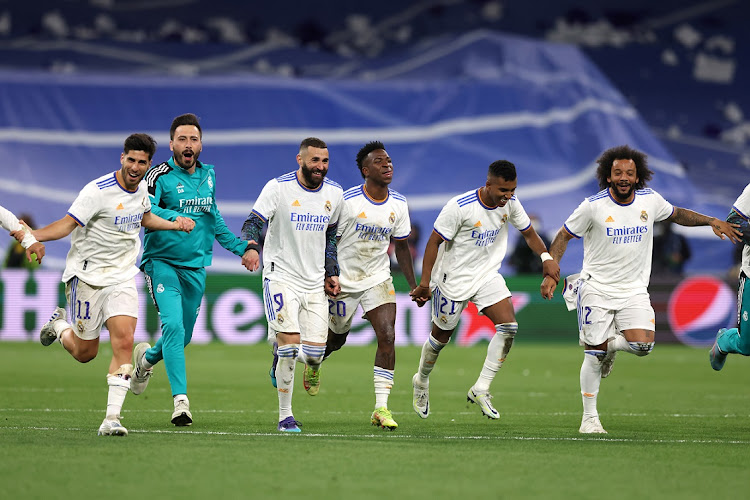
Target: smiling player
{"x": 461, "y": 263}
{"x": 614, "y": 307}
{"x": 99, "y": 276}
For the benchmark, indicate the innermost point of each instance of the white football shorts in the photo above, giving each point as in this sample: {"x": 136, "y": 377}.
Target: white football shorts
{"x": 341, "y": 309}
{"x": 447, "y": 312}
{"x": 89, "y": 307}
{"x": 601, "y": 317}
{"x": 293, "y": 311}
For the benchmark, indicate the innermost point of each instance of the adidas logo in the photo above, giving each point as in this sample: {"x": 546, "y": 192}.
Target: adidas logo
{"x": 180, "y": 188}
{"x": 609, "y": 219}
{"x": 361, "y": 216}
{"x": 120, "y": 207}
{"x": 296, "y": 203}
{"x": 478, "y": 224}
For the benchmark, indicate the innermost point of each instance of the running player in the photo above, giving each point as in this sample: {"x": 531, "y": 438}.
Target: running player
{"x": 174, "y": 264}
{"x": 461, "y": 263}
{"x": 614, "y": 307}
{"x": 299, "y": 267}
{"x": 730, "y": 340}
{"x": 371, "y": 216}
{"x": 99, "y": 276}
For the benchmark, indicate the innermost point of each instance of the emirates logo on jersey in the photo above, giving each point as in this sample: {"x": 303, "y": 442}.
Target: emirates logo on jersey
{"x": 644, "y": 216}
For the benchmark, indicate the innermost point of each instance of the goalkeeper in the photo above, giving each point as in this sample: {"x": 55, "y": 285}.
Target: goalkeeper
{"x": 737, "y": 340}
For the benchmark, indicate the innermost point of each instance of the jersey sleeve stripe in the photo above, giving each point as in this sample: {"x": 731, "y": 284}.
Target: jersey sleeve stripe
{"x": 734, "y": 207}
{"x": 441, "y": 235}
{"x": 574, "y": 235}
{"x": 76, "y": 219}
{"x": 265, "y": 219}
{"x": 333, "y": 183}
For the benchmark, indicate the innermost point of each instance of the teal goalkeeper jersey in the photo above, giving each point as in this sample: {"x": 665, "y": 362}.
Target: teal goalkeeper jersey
{"x": 175, "y": 193}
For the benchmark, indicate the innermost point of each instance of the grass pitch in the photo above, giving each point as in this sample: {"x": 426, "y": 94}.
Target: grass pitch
{"x": 677, "y": 429}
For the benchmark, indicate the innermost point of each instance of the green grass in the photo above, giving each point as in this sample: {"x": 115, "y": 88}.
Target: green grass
{"x": 676, "y": 429}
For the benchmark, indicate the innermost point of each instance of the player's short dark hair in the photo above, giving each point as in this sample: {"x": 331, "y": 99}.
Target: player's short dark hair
{"x": 366, "y": 150}
{"x": 502, "y": 168}
{"x": 312, "y": 142}
{"x": 140, "y": 142}
{"x": 624, "y": 152}
{"x": 186, "y": 119}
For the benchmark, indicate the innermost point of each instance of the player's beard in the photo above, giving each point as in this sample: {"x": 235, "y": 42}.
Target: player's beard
{"x": 621, "y": 197}
{"x": 179, "y": 158}
{"x": 310, "y": 181}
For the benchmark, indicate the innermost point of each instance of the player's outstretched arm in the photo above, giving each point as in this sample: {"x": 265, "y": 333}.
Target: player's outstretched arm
{"x": 57, "y": 230}
{"x": 421, "y": 292}
{"x": 721, "y": 228}
{"x": 550, "y": 267}
{"x": 28, "y": 242}
{"x": 155, "y": 223}
{"x": 556, "y": 250}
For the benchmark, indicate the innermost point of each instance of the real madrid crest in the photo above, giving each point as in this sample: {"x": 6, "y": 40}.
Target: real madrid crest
{"x": 392, "y": 218}
{"x": 644, "y": 216}
{"x": 328, "y": 207}
{"x": 80, "y": 326}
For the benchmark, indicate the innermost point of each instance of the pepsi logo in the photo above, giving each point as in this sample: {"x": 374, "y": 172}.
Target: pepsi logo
{"x": 698, "y": 307}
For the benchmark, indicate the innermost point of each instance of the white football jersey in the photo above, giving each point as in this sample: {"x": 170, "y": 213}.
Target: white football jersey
{"x": 476, "y": 239}
{"x": 294, "y": 248}
{"x": 618, "y": 240}
{"x": 742, "y": 206}
{"x": 365, "y": 229}
{"x": 105, "y": 246}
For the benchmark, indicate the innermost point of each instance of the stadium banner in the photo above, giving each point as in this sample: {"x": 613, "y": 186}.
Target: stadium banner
{"x": 688, "y": 310}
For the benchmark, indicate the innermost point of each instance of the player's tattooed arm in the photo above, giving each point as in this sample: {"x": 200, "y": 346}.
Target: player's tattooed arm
{"x": 721, "y": 228}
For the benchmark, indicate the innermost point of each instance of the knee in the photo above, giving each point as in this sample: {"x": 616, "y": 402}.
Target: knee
{"x": 84, "y": 355}
{"x": 387, "y": 338}
{"x": 642, "y": 348}
{"x": 336, "y": 340}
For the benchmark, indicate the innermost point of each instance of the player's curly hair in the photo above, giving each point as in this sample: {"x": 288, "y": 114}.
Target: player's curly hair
{"x": 502, "y": 168}
{"x": 623, "y": 152}
{"x": 140, "y": 142}
{"x": 186, "y": 119}
{"x": 366, "y": 150}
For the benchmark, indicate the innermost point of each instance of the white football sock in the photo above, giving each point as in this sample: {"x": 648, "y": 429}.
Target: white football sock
{"x": 383, "y": 380}
{"x": 591, "y": 378}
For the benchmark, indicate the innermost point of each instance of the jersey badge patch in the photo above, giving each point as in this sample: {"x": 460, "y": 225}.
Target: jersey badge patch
{"x": 328, "y": 207}
{"x": 180, "y": 188}
{"x": 361, "y": 216}
{"x": 120, "y": 207}
{"x": 644, "y": 216}
{"x": 296, "y": 203}
{"x": 609, "y": 219}
{"x": 478, "y": 224}
{"x": 392, "y": 218}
